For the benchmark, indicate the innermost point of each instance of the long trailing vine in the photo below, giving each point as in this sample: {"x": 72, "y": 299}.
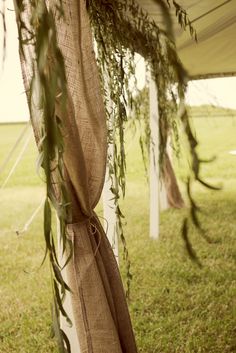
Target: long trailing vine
{"x": 47, "y": 84}
{"x": 121, "y": 28}
{"x": 4, "y": 26}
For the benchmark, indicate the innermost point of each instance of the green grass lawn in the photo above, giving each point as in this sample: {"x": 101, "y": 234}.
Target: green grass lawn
{"x": 175, "y": 306}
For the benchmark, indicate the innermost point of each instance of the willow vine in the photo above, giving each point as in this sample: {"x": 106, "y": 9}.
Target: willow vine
{"x": 47, "y": 84}
{"x": 121, "y": 29}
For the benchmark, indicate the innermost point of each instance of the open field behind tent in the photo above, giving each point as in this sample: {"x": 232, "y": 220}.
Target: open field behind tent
{"x": 175, "y": 306}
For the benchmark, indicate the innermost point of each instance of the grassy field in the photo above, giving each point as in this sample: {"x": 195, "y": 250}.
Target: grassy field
{"x": 175, "y": 306}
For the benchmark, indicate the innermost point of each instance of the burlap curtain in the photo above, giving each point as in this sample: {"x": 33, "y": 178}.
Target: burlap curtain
{"x": 174, "y": 196}
{"x": 99, "y": 305}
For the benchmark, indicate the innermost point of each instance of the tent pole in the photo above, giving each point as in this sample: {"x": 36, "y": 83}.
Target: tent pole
{"x": 109, "y": 207}
{"x": 109, "y": 213}
{"x": 158, "y": 195}
{"x": 69, "y": 331}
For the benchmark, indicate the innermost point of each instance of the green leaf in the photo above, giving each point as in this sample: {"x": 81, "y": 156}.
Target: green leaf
{"x": 188, "y": 244}
{"x": 56, "y": 329}
{"x": 67, "y": 342}
{"x": 60, "y": 304}
{"x": 59, "y": 277}
{"x": 47, "y": 223}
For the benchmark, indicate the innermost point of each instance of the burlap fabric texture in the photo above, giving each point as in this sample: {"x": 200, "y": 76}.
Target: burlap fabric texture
{"x": 99, "y": 305}
{"x": 174, "y": 196}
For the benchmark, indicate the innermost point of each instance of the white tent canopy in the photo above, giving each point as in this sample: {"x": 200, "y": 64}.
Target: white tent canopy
{"x": 214, "y": 55}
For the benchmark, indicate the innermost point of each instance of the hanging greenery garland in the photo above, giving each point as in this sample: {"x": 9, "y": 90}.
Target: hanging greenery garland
{"x": 121, "y": 29}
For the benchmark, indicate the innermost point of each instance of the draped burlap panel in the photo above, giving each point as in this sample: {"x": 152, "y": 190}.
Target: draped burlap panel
{"x": 174, "y": 196}
{"x": 99, "y": 304}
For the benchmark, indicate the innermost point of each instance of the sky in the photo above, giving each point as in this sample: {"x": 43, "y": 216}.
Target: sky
{"x": 13, "y": 105}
